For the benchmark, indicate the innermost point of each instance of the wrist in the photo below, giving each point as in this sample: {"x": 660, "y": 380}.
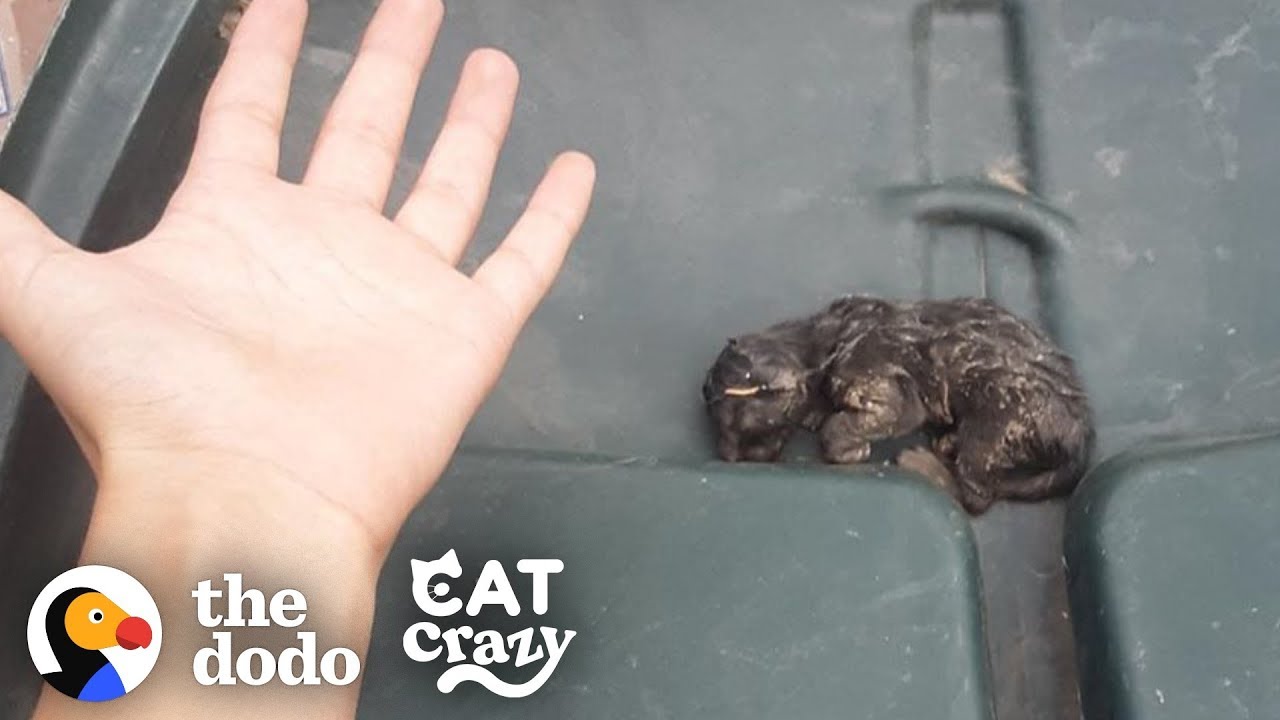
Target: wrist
{"x": 296, "y": 467}
{"x": 230, "y": 504}
{"x": 173, "y": 526}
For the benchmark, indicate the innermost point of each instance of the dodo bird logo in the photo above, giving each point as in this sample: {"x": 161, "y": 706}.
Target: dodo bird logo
{"x": 94, "y": 633}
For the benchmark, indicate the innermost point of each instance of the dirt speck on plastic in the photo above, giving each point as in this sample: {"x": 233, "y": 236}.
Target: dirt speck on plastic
{"x": 232, "y": 19}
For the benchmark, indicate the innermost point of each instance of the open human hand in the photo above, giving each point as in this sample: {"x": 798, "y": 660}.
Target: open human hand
{"x": 291, "y": 332}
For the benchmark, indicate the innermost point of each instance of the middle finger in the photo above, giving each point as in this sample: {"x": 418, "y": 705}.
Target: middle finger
{"x": 356, "y": 151}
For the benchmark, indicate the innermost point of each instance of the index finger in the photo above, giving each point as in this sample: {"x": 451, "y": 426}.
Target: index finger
{"x": 245, "y": 109}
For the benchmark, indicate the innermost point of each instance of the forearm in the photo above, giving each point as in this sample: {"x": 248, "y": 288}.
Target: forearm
{"x": 149, "y": 523}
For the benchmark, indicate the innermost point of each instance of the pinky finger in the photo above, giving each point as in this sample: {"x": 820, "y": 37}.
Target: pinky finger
{"x": 521, "y": 270}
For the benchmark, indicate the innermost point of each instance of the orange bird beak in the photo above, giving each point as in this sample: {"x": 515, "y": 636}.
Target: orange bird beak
{"x": 133, "y": 632}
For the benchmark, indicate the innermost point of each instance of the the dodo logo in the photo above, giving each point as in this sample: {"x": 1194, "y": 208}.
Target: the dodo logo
{"x": 94, "y": 633}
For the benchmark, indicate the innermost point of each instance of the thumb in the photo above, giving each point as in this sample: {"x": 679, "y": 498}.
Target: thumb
{"x": 26, "y": 245}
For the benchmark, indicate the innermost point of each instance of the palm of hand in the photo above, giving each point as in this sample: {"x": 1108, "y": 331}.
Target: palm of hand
{"x": 293, "y": 327}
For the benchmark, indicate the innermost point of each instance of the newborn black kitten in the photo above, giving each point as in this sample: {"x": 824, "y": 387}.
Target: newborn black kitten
{"x": 1004, "y": 409}
{"x": 1002, "y": 406}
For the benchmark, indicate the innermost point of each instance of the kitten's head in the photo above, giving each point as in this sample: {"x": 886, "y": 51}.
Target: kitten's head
{"x": 757, "y": 393}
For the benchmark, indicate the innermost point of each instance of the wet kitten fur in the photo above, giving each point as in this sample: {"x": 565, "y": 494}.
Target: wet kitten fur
{"x": 1003, "y": 407}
